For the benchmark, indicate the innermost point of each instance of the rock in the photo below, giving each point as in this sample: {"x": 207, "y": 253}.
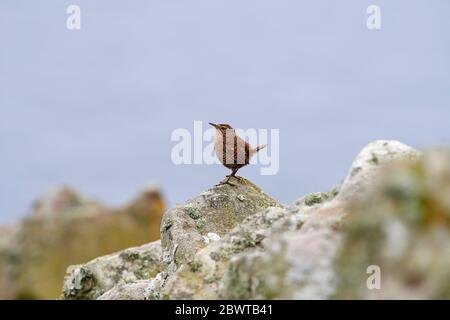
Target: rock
{"x": 217, "y": 211}
{"x": 209, "y": 216}
{"x": 201, "y": 277}
{"x": 7, "y": 236}
{"x": 402, "y": 229}
{"x": 130, "y": 291}
{"x": 211, "y": 273}
{"x": 93, "y": 279}
{"x": 297, "y": 262}
{"x": 369, "y": 162}
{"x": 392, "y": 211}
{"x": 293, "y": 263}
{"x": 7, "y": 261}
{"x": 292, "y": 266}
{"x": 214, "y": 247}
{"x": 63, "y": 200}
{"x": 66, "y": 228}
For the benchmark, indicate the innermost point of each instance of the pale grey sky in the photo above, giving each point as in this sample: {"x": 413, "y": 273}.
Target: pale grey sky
{"x": 95, "y": 108}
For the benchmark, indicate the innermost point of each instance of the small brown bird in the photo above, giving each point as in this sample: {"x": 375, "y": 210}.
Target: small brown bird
{"x": 232, "y": 151}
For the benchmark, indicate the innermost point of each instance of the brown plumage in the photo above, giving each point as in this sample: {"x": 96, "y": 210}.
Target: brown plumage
{"x": 232, "y": 151}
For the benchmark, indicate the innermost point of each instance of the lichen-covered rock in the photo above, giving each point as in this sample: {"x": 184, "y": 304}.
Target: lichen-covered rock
{"x": 278, "y": 252}
{"x": 402, "y": 227}
{"x": 293, "y": 265}
{"x": 65, "y": 228}
{"x": 91, "y": 280}
{"x": 128, "y": 291}
{"x": 298, "y": 263}
{"x": 369, "y": 162}
{"x": 200, "y": 278}
{"x": 235, "y": 242}
{"x": 294, "y": 262}
{"x": 217, "y": 211}
{"x": 210, "y": 274}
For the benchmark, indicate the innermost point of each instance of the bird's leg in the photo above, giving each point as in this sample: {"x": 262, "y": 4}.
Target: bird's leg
{"x": 233, "y": 174}
{"x": 221, "y": 183}
{"x": 228, "y": 180}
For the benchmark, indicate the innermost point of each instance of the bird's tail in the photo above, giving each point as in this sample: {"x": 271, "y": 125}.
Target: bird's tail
{"x": 260, "y": 147}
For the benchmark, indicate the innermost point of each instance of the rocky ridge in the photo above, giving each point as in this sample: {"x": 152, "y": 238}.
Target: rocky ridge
{"x": 238, "y": 243}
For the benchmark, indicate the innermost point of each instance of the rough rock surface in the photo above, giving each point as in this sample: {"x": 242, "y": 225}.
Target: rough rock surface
{"x": 224, "y": 269}
{"x": 91, "y": 280}
{"x": 129, "y": 291}
{"x": 403, "y": 228}
{"x": 368, "y": 164}
{"x": 215, "y": 211}
{"x": 283, "y": 253}
{"x": 298, "y": 263}
{"x": 392, "y": 210}
{"x": 65, "y": 228}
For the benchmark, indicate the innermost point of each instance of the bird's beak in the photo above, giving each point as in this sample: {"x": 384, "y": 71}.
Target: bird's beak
{"x": 214, "y": 125}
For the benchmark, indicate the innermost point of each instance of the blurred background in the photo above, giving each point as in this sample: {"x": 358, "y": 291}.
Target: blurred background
{"x": 94, "y": 108}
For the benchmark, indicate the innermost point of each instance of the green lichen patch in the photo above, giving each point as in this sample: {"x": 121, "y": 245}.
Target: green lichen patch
{"x": 194, "y": 213}
{"x": 316, "y": 198}
{"x": 246, "y": 241}
{"x": 195, "y": 266}
{"x": 313, "y": 199}
{"x": 200, "y": 223}
{"x": 374, "y": 159}
{"x": 129, "y": 255}
{"x": 333, "y": 192}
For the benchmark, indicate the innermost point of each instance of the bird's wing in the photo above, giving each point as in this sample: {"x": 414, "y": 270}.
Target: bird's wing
{"x": 247, "y": 152}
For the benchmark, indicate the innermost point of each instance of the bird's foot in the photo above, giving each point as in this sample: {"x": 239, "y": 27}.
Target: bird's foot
{"x": 237, "y": 177}
{"x": 221, "y": 183}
